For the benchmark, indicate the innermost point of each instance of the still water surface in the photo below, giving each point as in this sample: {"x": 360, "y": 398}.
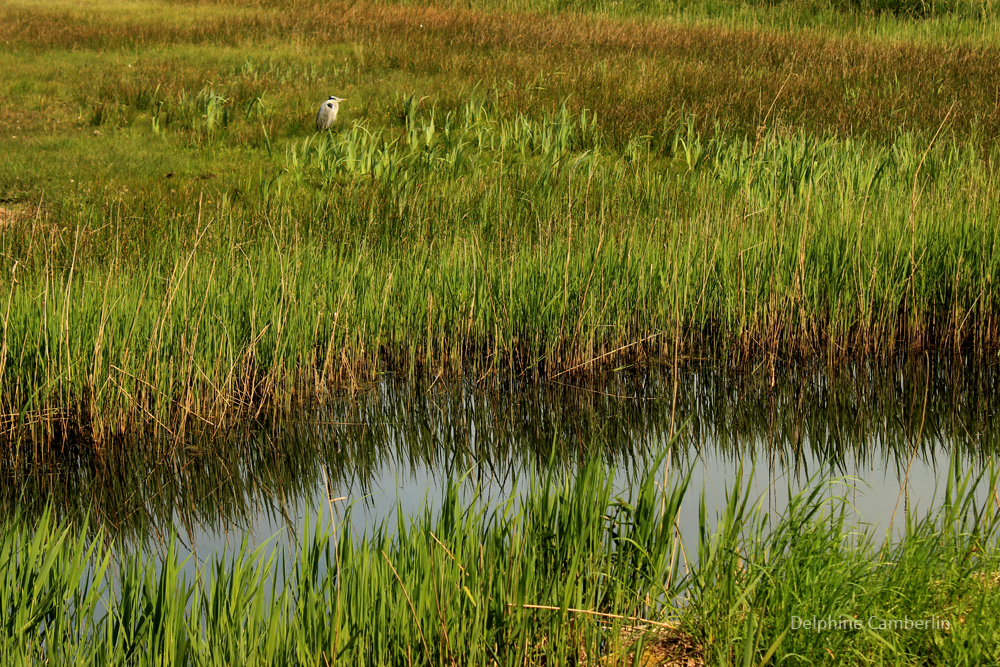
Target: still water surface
{"x": 394, "y": 446}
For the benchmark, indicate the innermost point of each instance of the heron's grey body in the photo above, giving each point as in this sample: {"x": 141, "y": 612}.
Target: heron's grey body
{"x": 328, "y": 113}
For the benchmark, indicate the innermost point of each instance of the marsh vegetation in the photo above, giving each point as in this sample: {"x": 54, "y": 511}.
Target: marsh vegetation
{"x": 533, "y": 513}
{"x": 542, "y": 239}
{"x": 568, "y": 575}
{"x": 634, "y": 189}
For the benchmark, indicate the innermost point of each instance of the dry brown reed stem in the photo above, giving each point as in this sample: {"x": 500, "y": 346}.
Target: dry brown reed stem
{"x": 448, "y": 551}
{"x": 591, "y": 612}
{"x": 601, "y": 357}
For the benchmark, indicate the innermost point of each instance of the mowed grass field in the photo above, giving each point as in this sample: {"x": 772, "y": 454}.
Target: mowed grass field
{"x": 512, "y": 190}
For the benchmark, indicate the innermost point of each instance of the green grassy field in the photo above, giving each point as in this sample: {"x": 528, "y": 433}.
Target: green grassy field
{"x": 511, "y": 190}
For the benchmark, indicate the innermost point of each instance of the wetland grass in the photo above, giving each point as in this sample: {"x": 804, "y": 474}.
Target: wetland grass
{"x": 568, "y": 574}
{"x": 520, "y": 192}
{"x": 429, "y": 258}
{"x": 628, "y": 191}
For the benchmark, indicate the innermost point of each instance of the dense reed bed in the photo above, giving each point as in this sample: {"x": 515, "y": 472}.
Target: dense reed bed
{"x": 508, "y": 196}
{"x": 539, "y": 256}
{"x": 567, "y": 575}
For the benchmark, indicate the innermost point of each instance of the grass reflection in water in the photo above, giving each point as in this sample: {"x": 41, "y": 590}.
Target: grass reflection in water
{"x": 797, "y": 421}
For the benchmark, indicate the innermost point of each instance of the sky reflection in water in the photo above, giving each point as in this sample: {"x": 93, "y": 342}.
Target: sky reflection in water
{"x": 395, "y": 445}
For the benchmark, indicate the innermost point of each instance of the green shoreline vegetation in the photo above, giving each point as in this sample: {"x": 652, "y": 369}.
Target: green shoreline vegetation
{"x": 568, "y": 574}
{"x": 506, "y": 194}
{"x": 515, "y": 192}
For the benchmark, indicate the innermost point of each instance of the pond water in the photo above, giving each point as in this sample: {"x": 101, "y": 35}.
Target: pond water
{"x": 393, "y": 446}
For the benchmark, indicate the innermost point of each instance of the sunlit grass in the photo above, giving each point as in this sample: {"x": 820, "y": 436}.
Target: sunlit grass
{"x": 491, "y": 247}
{"x": 566, "y": 572}
{"x": 503, "y": 196}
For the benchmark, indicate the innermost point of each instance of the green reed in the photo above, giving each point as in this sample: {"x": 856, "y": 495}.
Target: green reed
{"x": 490, "y": 246}
{"x": 558, "y": 576}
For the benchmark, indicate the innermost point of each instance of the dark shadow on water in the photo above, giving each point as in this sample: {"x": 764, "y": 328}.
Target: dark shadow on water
{"x": 798, "y": 421}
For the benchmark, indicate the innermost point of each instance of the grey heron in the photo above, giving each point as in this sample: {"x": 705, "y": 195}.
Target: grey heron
{"x": 328, "y": 113}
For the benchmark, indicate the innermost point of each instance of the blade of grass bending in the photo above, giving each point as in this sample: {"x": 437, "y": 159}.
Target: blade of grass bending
{"x": 774, "y": 647}
{"x": 409, "y": 602}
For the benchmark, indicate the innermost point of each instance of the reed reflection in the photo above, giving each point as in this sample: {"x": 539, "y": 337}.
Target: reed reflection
{"x": 798, "y": 419}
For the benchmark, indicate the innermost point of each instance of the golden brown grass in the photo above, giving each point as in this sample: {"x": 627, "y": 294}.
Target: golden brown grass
{"x": 633, "y": 73}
